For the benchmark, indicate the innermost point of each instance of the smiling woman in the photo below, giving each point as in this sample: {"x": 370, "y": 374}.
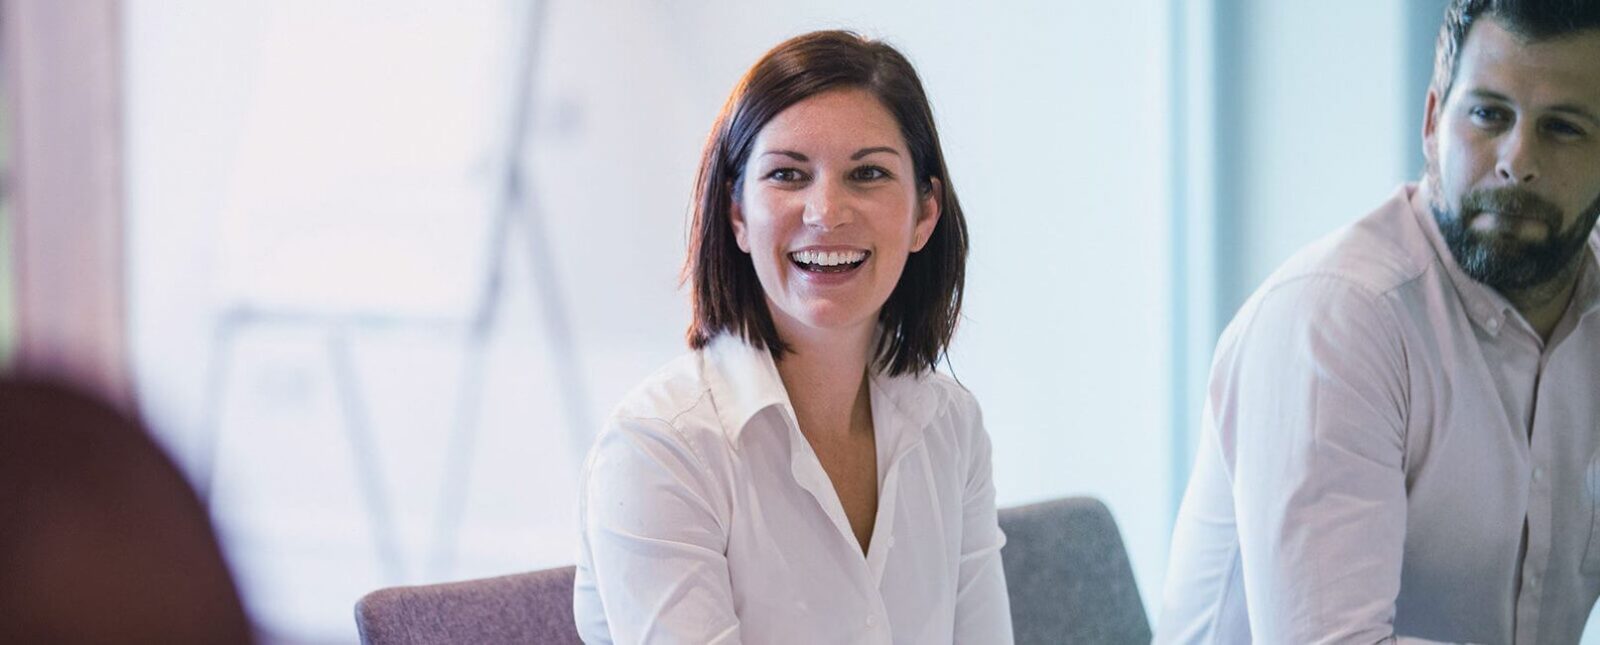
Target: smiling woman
{"x": 750, "y": 151}
{"x": 805, "y": 475}
{"x": 828, "y": 222}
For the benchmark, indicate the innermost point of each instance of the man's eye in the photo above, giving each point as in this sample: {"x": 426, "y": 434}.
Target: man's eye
{"x": 869, "y": 173}
{"x": 1487, "y": 115}
{"x": 1563, "y": 129}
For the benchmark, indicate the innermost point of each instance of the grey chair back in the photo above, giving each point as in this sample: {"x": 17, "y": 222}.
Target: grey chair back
{"x": 1066, "y": 571}
{"x": 523, "y": 609}
{"x": 1068, "y": 576}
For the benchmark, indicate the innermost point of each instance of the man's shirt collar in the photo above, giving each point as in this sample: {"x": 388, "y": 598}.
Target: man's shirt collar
{"x": 1485, "y": 306}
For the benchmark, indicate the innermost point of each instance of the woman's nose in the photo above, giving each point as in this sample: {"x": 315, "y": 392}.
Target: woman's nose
{"x": 828, "y": 206}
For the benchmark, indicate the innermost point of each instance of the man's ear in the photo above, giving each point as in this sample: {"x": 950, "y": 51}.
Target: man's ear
{"x": 736, "y": 218}
{"x": 1430, "y": 125}
{"x": 928, "y": 212}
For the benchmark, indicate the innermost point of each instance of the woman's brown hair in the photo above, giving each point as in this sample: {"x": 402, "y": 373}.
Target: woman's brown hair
{"x": 919, "y": 319}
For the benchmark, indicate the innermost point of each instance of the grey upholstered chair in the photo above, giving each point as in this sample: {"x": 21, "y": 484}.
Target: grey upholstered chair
{"x": 1066, "y": 569}
{"x": 1069, "y": 577}
{"x": 522, "y": 609}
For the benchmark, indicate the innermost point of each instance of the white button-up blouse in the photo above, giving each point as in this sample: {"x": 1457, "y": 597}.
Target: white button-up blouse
{"x": 707, "y": 517}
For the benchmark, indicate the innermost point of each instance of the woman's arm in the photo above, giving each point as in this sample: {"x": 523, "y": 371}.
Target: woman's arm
{"x": 656, "y": 539}
{"x": 983, "y": 608}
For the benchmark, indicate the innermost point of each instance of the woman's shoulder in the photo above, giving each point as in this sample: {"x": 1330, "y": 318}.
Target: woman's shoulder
{"x": 944, "y": 394}
{"x": 671, "y": 390}
{"x": 673, "y": 404}
{"x": 938, "y": 403}
{"x": 955, "y": 431}
{"x": 954, "y": 393}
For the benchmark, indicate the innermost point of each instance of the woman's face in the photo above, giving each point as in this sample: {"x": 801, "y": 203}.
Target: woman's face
{"x": 829, "y": 211}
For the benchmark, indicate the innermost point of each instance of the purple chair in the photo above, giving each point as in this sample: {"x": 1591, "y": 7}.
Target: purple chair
{"x": 526, "y": 608}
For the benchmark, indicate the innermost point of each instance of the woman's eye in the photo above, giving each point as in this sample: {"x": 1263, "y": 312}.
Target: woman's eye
{"x": 786, "y": 175}
{"x": 869, "y": 173}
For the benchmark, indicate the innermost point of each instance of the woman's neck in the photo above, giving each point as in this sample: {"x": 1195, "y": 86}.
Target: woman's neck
{"x": 826, "y": 378}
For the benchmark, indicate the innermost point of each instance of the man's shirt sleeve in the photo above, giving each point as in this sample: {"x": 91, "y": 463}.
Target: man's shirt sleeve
{"x": 1309, "y": 403}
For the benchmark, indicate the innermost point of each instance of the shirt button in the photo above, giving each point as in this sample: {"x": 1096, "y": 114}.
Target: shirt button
{"x": 1538, "y": 474}
{"x": 1493, "y": 324}
{"x": 872, "y": 621}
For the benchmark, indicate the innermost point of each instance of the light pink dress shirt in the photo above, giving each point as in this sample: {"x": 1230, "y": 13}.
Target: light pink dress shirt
{"x": 707, "y": 517}
{"x": 1389, "y": 450}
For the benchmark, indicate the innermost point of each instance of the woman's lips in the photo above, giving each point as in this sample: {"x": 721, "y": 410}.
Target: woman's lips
{"x": 829, "y": 267}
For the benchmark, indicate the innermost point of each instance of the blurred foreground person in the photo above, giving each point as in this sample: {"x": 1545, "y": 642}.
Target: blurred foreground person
{"x": 805, "y": 476}
{"x": 1400, "y": 438}
{"x": 101, "y": 539}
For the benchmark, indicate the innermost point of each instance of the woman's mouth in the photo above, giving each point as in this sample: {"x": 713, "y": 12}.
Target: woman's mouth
{"x": 829, "y": 261}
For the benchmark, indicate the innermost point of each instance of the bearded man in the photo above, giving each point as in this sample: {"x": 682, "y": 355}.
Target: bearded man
{"x": 1399, "y": 441}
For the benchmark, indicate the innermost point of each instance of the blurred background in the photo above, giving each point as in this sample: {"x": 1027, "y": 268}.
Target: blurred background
{"x": 375, "y": 272}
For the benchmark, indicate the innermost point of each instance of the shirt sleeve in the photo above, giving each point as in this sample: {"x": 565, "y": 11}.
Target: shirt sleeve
{"x": 983, "y": 607}
{"x": 656, "y": 539}
{"x": 1309, "y": 405}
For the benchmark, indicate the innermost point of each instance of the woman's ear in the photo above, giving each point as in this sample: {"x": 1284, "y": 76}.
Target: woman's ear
{"x": 736, "y": 218}
{"x": 928, "y": 212}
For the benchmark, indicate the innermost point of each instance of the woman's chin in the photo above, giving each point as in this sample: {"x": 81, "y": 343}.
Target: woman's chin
{"x": 827, "y": 318}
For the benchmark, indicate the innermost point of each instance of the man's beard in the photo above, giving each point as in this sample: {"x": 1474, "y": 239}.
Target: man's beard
{"x": 1501, "y": 260}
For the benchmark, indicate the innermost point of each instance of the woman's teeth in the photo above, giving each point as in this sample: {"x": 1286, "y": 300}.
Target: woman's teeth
{"x": 828, "y": 258}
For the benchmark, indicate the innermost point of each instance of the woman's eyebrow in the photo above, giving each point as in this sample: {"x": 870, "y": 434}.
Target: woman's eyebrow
{"x": 787, "y": 153}
{"x": 867, "y": 151}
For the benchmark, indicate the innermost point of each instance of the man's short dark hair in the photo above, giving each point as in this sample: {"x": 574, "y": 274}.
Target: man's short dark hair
{"x": 919, "y": 319}
{"x": 1530, "y": 19}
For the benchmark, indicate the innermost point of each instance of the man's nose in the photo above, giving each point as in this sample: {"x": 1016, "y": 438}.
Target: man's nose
{"x": 1519, "y": 155}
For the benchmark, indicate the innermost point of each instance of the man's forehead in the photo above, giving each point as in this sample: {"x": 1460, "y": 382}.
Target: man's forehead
{"x": 1560, "y": 69}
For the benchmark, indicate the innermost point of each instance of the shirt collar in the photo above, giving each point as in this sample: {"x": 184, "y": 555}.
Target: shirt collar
{"x": 1586, "y": 297}
{"x": 744, "y": 381}
{"x": 1485, "y": 306}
